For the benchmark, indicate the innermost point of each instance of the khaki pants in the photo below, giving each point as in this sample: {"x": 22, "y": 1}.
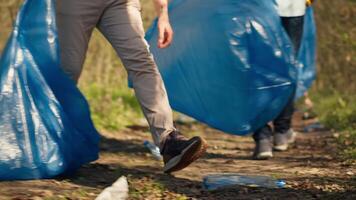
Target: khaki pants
{"x": 120, "y": 22}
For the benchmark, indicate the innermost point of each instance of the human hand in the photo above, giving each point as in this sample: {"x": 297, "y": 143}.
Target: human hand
{"x": 165, "y": 31}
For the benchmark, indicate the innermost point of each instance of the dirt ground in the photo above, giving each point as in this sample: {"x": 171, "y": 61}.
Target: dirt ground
{"x": 310, "y": 169}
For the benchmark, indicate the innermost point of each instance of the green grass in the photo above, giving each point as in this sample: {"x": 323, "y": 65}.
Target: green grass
{"x": 144, "y": 189}
{"x": 347, "y": 145}
{"x": 338, "y": 112}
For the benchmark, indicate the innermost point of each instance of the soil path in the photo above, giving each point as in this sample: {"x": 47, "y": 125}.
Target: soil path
{"x": 309, "y": 167}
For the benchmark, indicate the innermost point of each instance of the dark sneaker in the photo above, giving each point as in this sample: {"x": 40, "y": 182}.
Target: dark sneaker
{"x": 282, "y": 140}
{"x": 263, "y": 150}
{"x": 178, "y": 151}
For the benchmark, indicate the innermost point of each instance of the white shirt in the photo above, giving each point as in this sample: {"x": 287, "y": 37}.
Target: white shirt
{"x": 291, "y": 8}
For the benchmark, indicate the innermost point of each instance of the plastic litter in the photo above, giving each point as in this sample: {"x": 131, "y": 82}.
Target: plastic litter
{"x": 153, "y": 149}
{"x": 118, "y": 191}
{"x": 45, "y": 125}
{"x": 231, "y": 64}
{"x": 317, "y": 126}
{"x": 218, "y": 181}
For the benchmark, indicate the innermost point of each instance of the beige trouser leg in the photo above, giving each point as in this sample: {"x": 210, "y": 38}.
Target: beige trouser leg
{"x": 120, "y": 22}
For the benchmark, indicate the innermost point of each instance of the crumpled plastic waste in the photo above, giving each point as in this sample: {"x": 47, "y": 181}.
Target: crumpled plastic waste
{"x": 117, "y": 191}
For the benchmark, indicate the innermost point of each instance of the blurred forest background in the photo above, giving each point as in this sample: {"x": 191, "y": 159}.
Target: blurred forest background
{"x": 334, "y": 93}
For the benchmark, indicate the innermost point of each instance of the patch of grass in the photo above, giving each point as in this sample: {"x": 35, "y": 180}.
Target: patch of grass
{"x": 139, "y": 190}
{"x": 146, "y": 188}
{"x": 347, "y": 145}
{"x": 338, "y": 112}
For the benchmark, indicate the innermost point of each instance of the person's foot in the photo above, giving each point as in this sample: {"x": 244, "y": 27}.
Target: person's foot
{"x": 263, "y": 150}
{"x": 178, "y": 151}
{"x": 282, "y": 140}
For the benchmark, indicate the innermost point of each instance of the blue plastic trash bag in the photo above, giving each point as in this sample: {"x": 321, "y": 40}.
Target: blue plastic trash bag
{"x": 307, "y": 55}
{"x": 45, "y": 125}
{"x": 231, "y": 64}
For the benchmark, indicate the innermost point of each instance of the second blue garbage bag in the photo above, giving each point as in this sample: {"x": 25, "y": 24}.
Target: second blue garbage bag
{"x": 45, "y": 125}
{"x": 306, "y": 64}
{"x": 231, "y": 64}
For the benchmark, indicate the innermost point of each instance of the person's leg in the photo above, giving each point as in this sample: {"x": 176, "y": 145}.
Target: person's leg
{"x": 294, "y": 27}
{"x": 76, "y": 20}
{"x": 283, "y": 132}
{"x": 263, "y": 133}
{"x": 282, "y": 124}
{"x": 283, "y": 121}
{"x": 121, "y": 24}
{"x": 262, "y": 137}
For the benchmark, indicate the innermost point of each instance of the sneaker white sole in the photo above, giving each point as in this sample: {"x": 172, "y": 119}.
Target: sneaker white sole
{"x": 264, "y": 155}
{"x": 188, "y": 156}
{"x": 174, "y": 161}
{"x": 293, "y": 137}
{"x": 283, "y": 147}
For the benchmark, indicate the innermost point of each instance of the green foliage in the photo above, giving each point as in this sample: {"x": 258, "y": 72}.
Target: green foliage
{"x": 347, "y": 144}
{"x": 338, "y": 112}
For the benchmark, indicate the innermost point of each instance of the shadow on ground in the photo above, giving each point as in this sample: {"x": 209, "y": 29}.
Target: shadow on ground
{"x": 102, "y": 175}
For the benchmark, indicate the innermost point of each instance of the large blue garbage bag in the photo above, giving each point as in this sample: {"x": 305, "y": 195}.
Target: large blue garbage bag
{"x": 231, "y": 64}
{"x": 45, "y": 125}
{"x": 307, "y": 55}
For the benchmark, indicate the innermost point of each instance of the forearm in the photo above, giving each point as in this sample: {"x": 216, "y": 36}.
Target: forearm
{"x": 165, "y": 32}
{"x": 161, "y": 8}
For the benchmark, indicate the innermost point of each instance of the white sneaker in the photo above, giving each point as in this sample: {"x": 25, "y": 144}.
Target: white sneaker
{"x": 263, "y": 150}
{"x": 282, "y": 140}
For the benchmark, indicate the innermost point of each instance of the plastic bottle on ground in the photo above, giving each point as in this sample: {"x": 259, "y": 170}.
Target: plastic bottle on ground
{"x": 216, "y": 181}
{"x": 153, "y": 149}
{"x": 317, "y": 126}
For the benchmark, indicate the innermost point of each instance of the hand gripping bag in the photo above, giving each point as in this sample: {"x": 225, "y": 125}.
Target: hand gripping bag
{"x": 231, "y": 64}
{"x": 45, "y": 125}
